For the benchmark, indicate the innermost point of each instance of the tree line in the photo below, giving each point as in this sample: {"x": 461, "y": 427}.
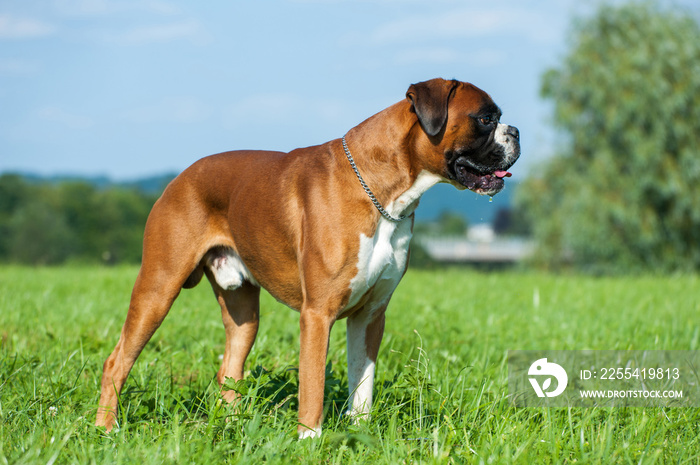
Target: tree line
{"x": 48, "y": 224}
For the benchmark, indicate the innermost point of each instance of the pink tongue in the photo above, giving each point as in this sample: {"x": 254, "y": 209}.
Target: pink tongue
{"x": 502, "y": 174}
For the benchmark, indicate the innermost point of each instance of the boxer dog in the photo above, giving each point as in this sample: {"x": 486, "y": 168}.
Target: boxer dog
{"x": 324, "y": 229}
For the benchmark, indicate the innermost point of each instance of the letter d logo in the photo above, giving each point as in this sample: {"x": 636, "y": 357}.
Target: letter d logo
{"x": 543, "y": 368}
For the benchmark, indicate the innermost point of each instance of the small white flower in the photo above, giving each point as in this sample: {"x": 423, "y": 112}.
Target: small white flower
{"x": 53, "y": 411}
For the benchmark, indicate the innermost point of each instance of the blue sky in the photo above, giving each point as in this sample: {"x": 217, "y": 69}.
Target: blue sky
{"x": 132, "y": 88}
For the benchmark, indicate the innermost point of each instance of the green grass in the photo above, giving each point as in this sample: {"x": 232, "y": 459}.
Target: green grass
{"x": 440, "y": 394}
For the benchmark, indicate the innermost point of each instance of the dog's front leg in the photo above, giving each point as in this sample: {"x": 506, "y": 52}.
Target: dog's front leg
{"x": 365, "y": 331}
{"x": 315, "y": 330}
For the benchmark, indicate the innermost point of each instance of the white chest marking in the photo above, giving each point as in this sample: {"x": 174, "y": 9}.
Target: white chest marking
{"x": 381, "y": 262}
{"x": 382, "y": 258}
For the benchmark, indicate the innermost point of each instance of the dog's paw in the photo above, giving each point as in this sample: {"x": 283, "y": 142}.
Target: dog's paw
{"x": 310, "y": 433}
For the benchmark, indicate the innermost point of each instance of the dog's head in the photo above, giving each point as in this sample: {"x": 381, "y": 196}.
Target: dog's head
{"x": 467, "y": 143}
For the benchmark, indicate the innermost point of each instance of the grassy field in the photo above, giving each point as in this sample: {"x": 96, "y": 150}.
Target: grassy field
{"x": 440, "y": 395}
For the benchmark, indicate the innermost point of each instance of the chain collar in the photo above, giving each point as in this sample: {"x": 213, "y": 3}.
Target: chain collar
{"x": 374, "y": 200}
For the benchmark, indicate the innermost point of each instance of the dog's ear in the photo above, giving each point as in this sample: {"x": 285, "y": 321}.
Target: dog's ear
{"x": 430, "y": 100}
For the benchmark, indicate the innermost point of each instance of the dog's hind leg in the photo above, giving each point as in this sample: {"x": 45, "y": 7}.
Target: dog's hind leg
{"x": 240, "y": 311}
{"x": 151, "y": 300}
{"x": 169, "y": 258}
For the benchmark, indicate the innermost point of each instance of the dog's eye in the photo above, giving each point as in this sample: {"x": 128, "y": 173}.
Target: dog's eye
{"x": 486, "y": 120}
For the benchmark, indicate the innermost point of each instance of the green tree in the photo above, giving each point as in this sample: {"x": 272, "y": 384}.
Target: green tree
{"x": 39, "y": 235}
{"x": 78, "y": 204}
{"x": 446, "y": 224}
{"x": 451, "y": 224}
{"x": 625, "y": 192}
{"x": 14, "y": 191}
{"x": 122, "y": 221}
{"x": 43, "y": 223}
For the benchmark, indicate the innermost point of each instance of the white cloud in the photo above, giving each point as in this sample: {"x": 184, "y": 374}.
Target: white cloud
{"x": 93, "y": 8}
{"x": 13, "y": 27}
{"x": 85, "y": 7}
{"x": 282, "y": 108}
{"x": 170, "y": 110}
{"x": 17, "y": 67}
{"x": 463, "y": 23}
{"x": 71, "y": 120}
{"x": 427, "y": 55}
{"x": 440, "y": 55}
{"x": 264, "y": 106}
{"x": 162, "y": 33}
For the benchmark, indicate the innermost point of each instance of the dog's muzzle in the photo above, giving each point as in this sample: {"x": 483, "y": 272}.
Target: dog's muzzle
{"x": 485, "y": 184}
{"x": 487, "y": 177}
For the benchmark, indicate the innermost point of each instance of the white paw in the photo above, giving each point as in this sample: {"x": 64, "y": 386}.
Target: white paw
{"x": 310, "y": 433}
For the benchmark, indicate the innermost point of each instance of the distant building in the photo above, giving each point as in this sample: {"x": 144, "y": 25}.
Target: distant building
{"x": 481, "y": 232}
{"x": 480, "y": 246}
